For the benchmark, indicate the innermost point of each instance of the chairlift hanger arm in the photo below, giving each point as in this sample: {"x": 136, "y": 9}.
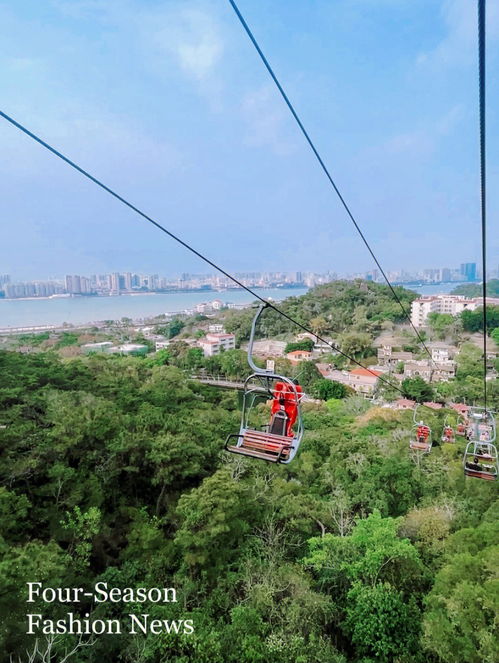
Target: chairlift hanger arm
{"x": 253, "y": 366}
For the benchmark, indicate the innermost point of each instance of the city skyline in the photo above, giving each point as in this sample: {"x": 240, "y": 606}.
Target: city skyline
{"x": 189, "y": 127}
{"x": 130, "y": 281}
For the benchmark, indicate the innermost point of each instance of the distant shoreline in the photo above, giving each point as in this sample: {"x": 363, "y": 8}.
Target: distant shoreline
{"x": 125, "y": 293}
{"x": 183, "y": 291}
{"x": 86, "y": 311}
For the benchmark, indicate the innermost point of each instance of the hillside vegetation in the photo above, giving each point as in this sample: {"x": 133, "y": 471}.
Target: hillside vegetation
{"x": 475, "y": 289}
{"x": 333, "y": 308}
{"x": 113, "y": 470}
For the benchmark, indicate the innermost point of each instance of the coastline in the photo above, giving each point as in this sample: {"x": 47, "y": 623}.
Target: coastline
{"x": 83, "y": 311}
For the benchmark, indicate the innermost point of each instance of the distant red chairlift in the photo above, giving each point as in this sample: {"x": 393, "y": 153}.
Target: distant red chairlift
{"x": 421, "y": 436}
{"x": 448, "y": 435}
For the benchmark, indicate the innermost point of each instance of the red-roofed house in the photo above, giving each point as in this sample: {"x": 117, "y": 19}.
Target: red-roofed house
{"x": 404, "y": 404}
{"x": 299, "y": 355}
{"x": 363, "y": 380}
{"x": 461, "y": 408}
{"x": 434, "y": 406}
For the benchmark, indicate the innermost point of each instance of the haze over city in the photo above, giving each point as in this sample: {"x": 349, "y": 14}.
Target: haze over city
{"x": 168, "y": 103}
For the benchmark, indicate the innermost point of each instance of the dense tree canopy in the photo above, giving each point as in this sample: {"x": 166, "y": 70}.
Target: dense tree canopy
{"x": 113, "y": 469}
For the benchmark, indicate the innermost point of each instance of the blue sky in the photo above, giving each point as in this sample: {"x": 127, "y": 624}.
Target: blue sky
{"x": 168, "y": 103}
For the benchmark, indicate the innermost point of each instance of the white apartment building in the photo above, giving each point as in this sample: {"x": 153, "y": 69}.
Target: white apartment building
{"x": 452, "y": 304}
{"x": 440, "y": 354}
{"x": 217, "y": 304}
{"x": 214, "y": 344}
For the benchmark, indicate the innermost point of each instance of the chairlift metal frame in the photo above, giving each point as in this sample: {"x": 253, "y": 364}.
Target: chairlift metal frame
{"x": 449, "y": 438}
{"x": 260, "y": 442}
{"x": 415, "y": 443}
{"x": 480, "y": 459}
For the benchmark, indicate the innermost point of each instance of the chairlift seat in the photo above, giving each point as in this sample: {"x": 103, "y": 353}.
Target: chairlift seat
{"x": 477, "y": 474}
{"x": 278, "y": 442}
{"x": 420, "y": 446}
{"x": 264, "y": 445}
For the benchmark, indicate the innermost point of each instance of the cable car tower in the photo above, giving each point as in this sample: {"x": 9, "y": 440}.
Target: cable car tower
{"x": 279, "y": 439}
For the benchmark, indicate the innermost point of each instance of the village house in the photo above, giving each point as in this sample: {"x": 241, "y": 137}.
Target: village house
{"x": 419, "y": 368}
{"x": 441, "y": 353}
{"x": 404, "y": 404}
{"x": 320, "y": 347}
{"x": 216, "y": 329}
{"x": 460, "y": 408}
{"x": 389, "y": 357}
{"x": 363, "y": 381}
{"x": 325, "y": 370}
{"x": 297, "y": 356}
{"x": 443, "y": 372}
{"x": 269, "y": 348}
{"x": 214, "y": 344}
{"x": 433, "y": 406}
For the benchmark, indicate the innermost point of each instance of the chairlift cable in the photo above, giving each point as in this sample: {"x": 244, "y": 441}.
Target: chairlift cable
{"x": 483, "y": 182}
{"x": 326, "y": 171}
{"x": 190, "y": 248}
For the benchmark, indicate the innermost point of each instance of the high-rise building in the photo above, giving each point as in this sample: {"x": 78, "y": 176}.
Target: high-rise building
{"x": 445, "y": 274}
{"x": 73, "y": 284}
{"x": 4, "y": 279}
{"x": 85, "y": 285}
{"x": 128, "y": 280}
{"x": 115, "y": 283}
{"x": 468, "y": 271}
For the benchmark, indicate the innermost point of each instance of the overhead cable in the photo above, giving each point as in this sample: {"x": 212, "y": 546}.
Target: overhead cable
{"x": 483, "y": 182}
{"x": 326, "y": 170}
{"x": 190, "y": 248}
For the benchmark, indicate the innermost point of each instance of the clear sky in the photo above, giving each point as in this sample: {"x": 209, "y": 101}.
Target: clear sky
{"x": 167, "y": 102}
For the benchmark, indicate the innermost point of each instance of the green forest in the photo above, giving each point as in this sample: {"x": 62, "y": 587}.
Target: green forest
{"x": 114, "y": 470}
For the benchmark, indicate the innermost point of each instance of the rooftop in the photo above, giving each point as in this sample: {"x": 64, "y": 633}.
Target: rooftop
{"x": 365, "y": 371}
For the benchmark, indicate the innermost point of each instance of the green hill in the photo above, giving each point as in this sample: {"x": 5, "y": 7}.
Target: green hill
{"x": 475, "y": 289}
{"x": 330, "y": 309}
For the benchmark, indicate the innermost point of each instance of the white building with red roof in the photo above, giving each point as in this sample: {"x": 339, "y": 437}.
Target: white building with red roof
{"x": 299, "y": 355}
